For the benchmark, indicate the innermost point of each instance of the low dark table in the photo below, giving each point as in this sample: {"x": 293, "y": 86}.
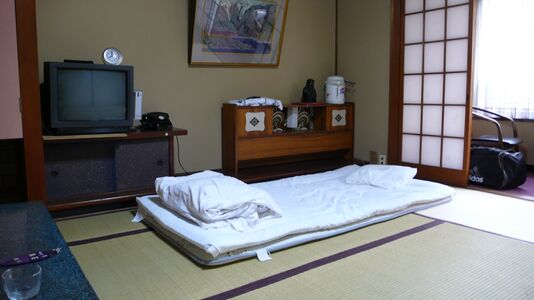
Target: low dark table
{"x": 27, "y": 227}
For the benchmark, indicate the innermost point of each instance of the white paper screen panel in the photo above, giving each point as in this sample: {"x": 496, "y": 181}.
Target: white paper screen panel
{"x": 456, "y": 2}
{"x": 412, "y": 6}
{"x": 435, "y": 25}
{"x": 433, "y": 4}
{"x": 413, "y": 31}
{"x": 458, "y": 22}
{"x": 412, "y": 88}
{"x": 453, "y": 153}
{"x": 434, "y": 57}
{"x": 433, "y": 89}
{"x": 410, "y": 148}
{"x": 413, "y": 59}
{"x": 432, "y": 119}
{"x": 454, "y": 121}
{"x": 431, "y": 151}
{"x": 435, "y": 78}
{"x": 456, "y": 88}
{"x": 456, "y": 56}
{"x": 412, "y": 119}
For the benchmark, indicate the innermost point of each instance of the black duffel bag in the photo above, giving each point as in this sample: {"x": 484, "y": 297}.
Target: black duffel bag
{"x": 497, "y": 168}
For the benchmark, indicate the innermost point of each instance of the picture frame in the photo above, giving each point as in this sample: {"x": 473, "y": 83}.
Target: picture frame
{"x": 237, "y": 32}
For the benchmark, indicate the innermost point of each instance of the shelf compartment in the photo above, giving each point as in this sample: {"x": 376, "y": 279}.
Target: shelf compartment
{"x": 270, "y": 169}
{"x": 276, "y": 145}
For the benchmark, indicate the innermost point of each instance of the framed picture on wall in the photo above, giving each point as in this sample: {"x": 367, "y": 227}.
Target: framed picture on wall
{"x": 238, "y": 32}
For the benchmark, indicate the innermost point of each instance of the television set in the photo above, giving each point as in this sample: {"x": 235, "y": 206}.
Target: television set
{"x": 85, "y": 98}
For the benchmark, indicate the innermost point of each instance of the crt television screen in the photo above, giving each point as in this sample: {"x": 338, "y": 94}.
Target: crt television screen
{"x": 91, "y": 95}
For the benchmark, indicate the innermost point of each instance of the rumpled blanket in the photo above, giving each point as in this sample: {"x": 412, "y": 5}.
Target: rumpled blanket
{"x": 213, "y": 200}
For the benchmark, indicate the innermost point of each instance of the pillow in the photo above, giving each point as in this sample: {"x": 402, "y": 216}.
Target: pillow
{"x": 386, "y": 177}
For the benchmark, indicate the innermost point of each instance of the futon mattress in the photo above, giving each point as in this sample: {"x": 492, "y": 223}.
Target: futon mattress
{"x": 314, "y": 207}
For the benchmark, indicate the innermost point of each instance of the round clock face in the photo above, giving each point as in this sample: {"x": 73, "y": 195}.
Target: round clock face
{"x": 112, "y": 56}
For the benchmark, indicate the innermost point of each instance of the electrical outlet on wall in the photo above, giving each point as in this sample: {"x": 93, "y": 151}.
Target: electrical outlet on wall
{"x": 382, "y": 159}
{"x": 377, "y": 158}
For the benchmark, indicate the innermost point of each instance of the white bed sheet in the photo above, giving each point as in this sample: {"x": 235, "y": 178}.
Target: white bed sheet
{"x": 309, "y": 203}
{"x": 203, "y": 258}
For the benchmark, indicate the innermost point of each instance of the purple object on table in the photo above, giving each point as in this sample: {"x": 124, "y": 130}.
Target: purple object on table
{"x": 29, "y": 258}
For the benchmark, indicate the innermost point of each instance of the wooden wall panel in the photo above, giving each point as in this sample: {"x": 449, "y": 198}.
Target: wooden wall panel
{"x": 293, "y": 144}
{"x": 31, "y": 106}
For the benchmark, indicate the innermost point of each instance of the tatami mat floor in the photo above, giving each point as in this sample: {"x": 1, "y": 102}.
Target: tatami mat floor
{"x": 444, "y": 262}
{"x": 503, "y": 215}
{"x": 417, "y": 256}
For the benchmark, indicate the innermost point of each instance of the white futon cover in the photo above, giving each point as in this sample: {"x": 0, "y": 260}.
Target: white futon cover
{"x": 309, "y": 203}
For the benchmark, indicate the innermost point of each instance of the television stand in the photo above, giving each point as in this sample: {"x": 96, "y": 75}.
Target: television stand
{"x": 89, "y": 131}
{"x": 88, "y": 170}
{"x": 83, "y": 136}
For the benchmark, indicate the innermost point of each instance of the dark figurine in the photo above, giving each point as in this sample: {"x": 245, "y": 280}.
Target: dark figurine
{"x": 308, "y": 93}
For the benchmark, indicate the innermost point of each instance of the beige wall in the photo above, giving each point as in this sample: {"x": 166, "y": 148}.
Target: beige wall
{"x": 364, "y": 31}
{"x": 153, "y": 38}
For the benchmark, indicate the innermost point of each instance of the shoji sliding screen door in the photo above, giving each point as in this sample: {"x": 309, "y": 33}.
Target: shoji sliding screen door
{"x": 430, "y": 105}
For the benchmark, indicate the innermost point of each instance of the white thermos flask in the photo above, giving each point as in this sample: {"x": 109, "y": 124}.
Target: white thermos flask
{"x": 335, "y": 90}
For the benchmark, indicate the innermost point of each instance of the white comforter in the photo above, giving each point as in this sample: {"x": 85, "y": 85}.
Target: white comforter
{"x": 309, "y": 203}
{"x": 213, "y": 200}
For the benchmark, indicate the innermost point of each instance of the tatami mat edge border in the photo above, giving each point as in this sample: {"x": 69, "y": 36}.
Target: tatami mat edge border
{"x": 321, "y": 262}
{"x": 108, "y": 237}
{"x": 105, "y": 212}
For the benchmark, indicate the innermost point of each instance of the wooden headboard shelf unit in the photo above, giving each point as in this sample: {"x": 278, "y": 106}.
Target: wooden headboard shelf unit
{"x": 258, "y": 145}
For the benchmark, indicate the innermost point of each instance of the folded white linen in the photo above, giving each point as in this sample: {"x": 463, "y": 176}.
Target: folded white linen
{"x": 383, "y": 176}
{"x": 213, "y": 200}
{"x": 258, "y": 101}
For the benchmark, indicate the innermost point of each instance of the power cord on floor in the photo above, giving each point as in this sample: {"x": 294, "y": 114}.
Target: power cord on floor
{"x": 178, "y": 151}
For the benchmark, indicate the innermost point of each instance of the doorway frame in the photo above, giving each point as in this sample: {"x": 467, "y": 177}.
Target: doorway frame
{"x": 453, "y": 177}
{"x": 26, "y": 22}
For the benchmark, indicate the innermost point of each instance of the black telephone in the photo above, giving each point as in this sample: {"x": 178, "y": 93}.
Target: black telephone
{"x": 156, "y": 121}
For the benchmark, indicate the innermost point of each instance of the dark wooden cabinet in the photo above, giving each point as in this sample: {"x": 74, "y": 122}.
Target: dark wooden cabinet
{"x": 262, "y": 143}
{"x": 138, "y": 163}
{"x": 99, "y": 169}
{"x": 76, "y": 169}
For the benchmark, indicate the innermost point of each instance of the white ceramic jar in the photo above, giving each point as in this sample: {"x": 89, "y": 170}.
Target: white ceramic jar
{"x": 335, "y": 90}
